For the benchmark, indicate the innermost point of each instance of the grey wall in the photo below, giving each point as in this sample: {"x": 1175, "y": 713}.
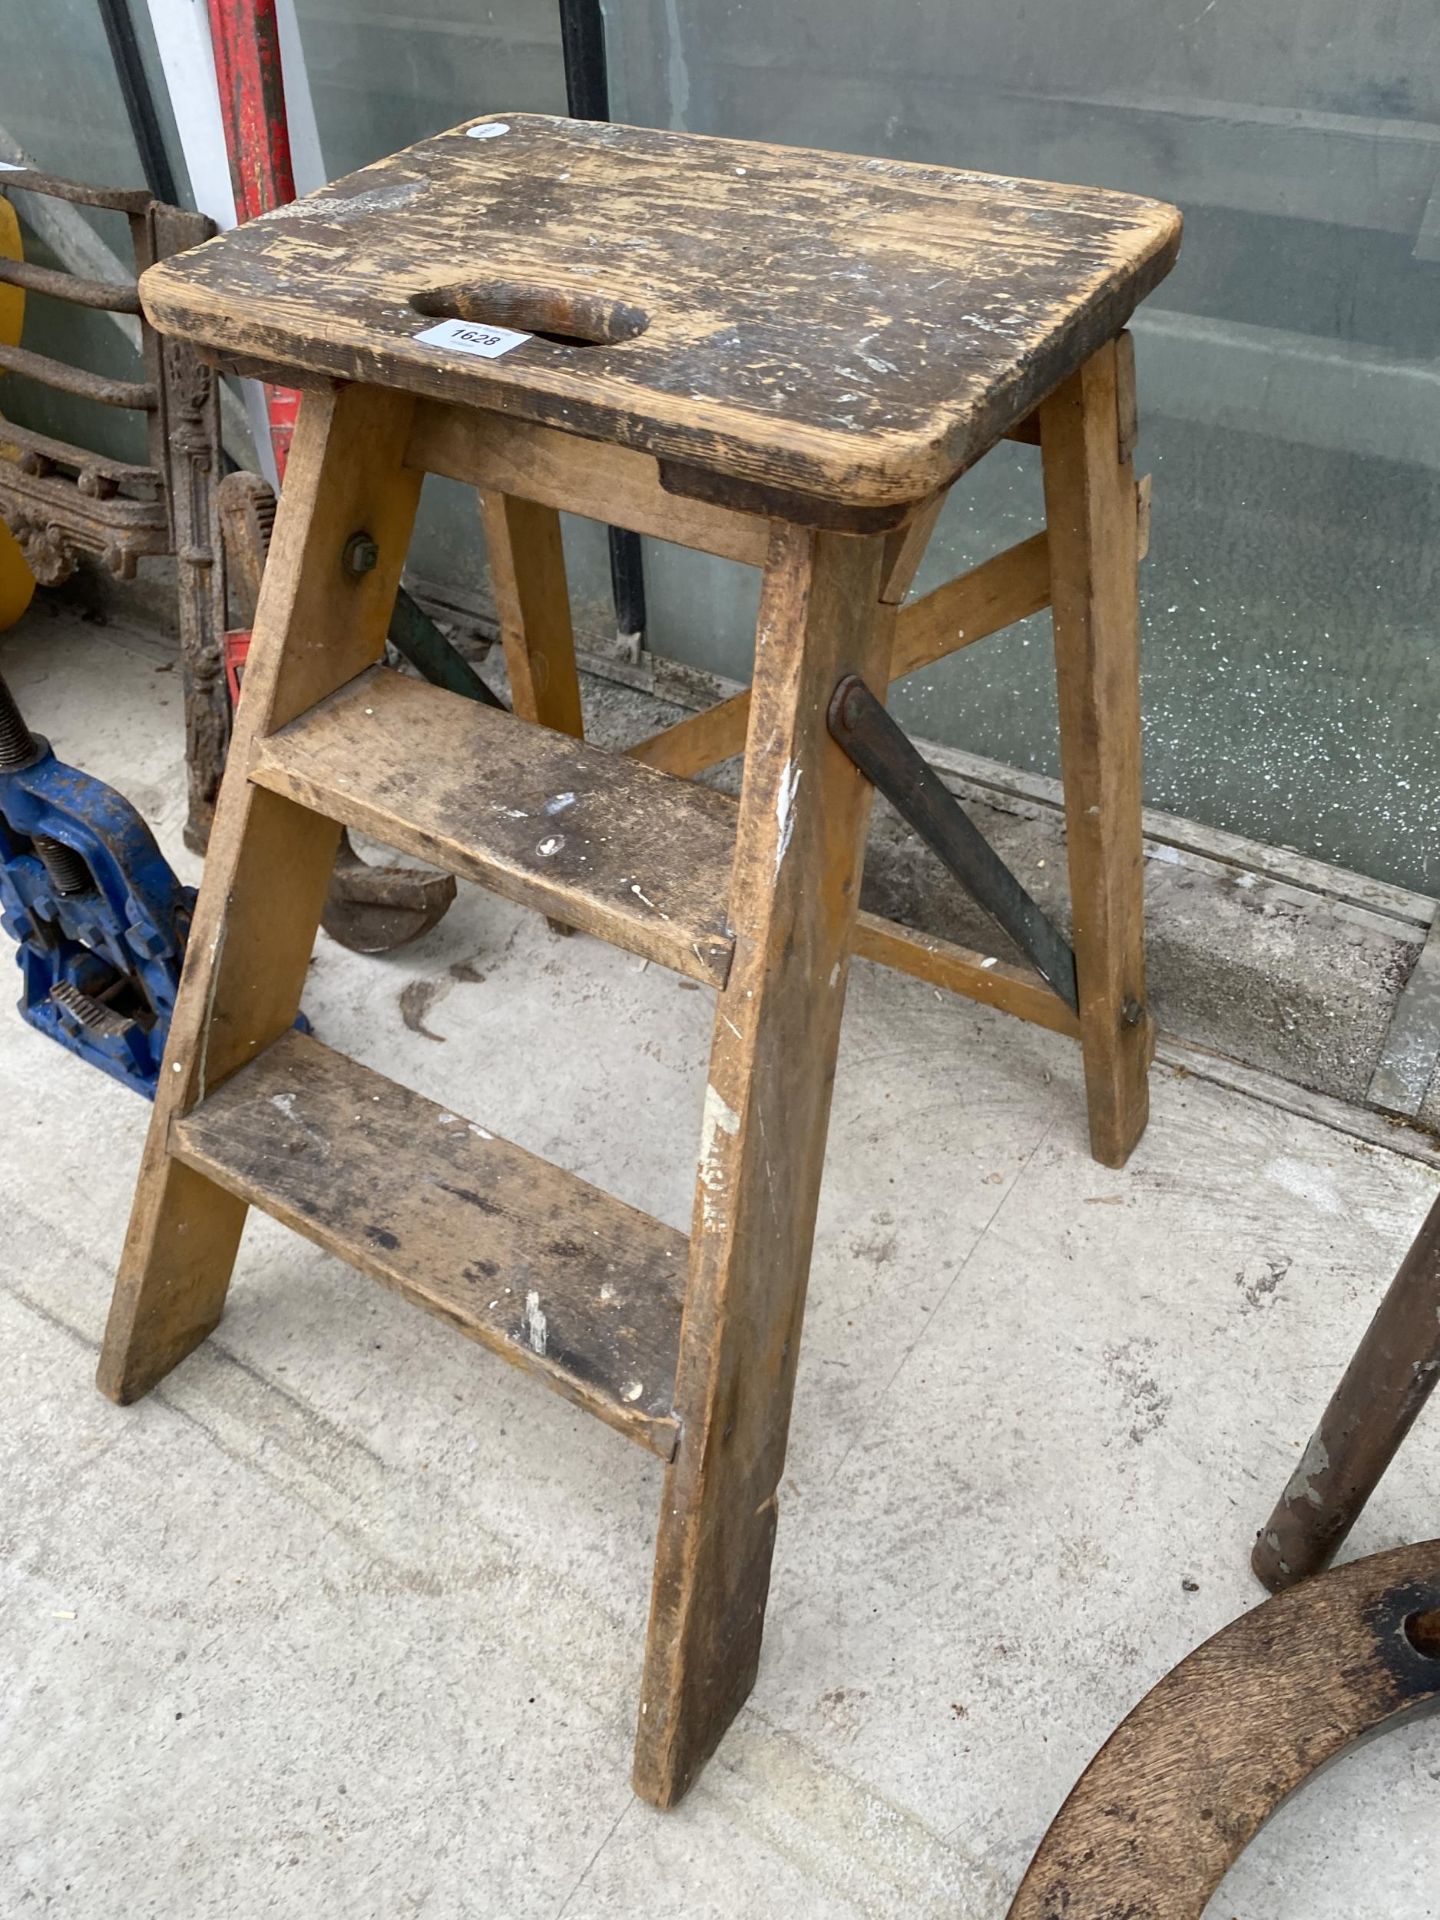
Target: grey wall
{"x": 1290, "y": 388}
{"x": 1288, "y": 369}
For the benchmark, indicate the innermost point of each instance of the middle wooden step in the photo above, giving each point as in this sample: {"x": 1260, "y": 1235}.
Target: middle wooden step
{"x": 592, "y": 838}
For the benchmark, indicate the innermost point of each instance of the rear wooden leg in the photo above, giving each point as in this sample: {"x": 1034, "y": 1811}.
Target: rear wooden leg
{"x": 532, "y": 599}
{"x": 527, "y": 572}
{"x": 794, "y": 890}
{"x": 1086, "y": 441}
{"x": 319, "y": 623}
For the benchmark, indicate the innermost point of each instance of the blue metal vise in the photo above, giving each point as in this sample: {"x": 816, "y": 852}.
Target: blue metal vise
{"x": 100, "y": 918}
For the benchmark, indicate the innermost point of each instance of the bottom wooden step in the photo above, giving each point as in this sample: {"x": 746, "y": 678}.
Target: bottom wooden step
{"x": 546, "y": 1270}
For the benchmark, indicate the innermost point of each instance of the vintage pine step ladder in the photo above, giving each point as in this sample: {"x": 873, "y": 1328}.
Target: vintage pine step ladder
{"x": 781, "y": 357}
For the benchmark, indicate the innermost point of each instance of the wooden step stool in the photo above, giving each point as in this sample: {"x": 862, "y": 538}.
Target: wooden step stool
{"x": 781, "y": 357}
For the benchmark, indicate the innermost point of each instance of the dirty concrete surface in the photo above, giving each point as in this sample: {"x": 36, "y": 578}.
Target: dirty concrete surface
{"x": 346, "y": 1619}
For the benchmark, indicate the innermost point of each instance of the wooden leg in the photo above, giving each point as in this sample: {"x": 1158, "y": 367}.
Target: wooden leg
{"x": 794, "y": 892}
{"x": 527, "y": 570}
{"x": 317, "y": 626}
{"x": 1086, "y": 440}
{"x": 1386, "y": 1385}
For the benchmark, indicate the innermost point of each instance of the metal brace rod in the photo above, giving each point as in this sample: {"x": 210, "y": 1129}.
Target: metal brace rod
{"x": 110, "y": 296}
{"x": 77, "y": 380}
{"x": 884, "y": 754}
{"x": 30, "y": 179}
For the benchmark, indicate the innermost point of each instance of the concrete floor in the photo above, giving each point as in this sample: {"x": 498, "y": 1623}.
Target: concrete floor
{"x": 346, "y": 1619}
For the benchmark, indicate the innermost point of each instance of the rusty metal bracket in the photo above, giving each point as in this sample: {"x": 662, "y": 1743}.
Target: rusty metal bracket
{"x": 85, "y": 385}
{"x": 95, "y": 473}
{"x": 884, "y": 754}
{"x": 62, "y": 502}
{"x": 55, "y": 519}
{"x": 1187, "y": 1780}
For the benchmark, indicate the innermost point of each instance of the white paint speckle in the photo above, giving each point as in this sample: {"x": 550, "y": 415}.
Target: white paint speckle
{"x": 560, "y": 803}
{"x": 1315, "y": 1462}
{"x": 716, "y": 1119}
{"x": 352, "y": 207}
{"x": 550, "y": 845}
{"x": 633, "y": 1391}
{"x": 490, "y": 130}
{"x": 635, "y": 889}
{"x": 285, "y": 1102}
{"x": 536, "y": 1331}
{"x": 785, "y": 808}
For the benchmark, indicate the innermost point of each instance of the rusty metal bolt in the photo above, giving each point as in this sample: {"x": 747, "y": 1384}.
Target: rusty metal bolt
{"x": 361, "y": 554}
{"x": 847, "y": 705}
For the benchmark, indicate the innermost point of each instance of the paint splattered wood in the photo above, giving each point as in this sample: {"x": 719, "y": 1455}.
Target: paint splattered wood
{"x": 855, "y": 329}
{"x": 550, "y": 1273}
{"x": 585, "y": 836}
{"x": 585, "y": 477}
{"x": 267, "y": 867}
{"x": 1187, "y": 1780}
{"x": 799, "y": 849}
{"x": 1087, "y": 433}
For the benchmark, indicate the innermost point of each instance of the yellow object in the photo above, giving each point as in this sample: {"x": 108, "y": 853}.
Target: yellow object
{"x": 17, "y": 583}
{"x": 12, "y": 299}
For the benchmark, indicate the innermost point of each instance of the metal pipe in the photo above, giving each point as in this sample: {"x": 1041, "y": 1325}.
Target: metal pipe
{"x": 111, "y": 296}
{"x": 78, "y": 380}
{"x": 139, "y": 100}
{"x": 587, "y": 73}
{"x": 113, "y": 199}
{"x": 245, "y": 37}
{"x": 627, "y": 583}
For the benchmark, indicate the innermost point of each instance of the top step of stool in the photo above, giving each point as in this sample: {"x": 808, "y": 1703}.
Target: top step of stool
{"x": 852, "y": 329}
